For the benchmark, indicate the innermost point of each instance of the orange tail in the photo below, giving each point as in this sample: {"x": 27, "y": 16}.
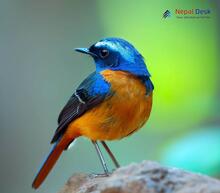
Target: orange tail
{"x": 50, "y": 161}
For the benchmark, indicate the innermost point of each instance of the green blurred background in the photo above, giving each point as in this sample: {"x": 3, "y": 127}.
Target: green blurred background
{"x": 39, "y": 71}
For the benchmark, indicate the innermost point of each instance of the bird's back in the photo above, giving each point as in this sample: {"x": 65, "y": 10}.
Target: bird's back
{"x": 125, "y": 111}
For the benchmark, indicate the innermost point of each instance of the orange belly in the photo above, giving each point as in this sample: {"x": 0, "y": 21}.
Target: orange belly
{"x": 119, "y": 115}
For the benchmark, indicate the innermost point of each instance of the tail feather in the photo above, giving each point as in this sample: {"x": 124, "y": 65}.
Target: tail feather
{"x": 49, "y": 163}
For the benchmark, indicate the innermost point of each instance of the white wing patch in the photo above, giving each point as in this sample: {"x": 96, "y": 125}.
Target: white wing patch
{"x": 78, "y": 97}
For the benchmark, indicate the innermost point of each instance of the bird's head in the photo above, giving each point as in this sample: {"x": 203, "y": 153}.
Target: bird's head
{"x": 116, "y": 54}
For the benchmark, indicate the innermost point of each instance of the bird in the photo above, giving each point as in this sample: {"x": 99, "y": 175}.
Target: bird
{"x": 112, "y": 103}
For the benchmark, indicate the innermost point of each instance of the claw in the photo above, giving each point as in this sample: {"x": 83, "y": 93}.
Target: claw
{"x": 93, "y": 175}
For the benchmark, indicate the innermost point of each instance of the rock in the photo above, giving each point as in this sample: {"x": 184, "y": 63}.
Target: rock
{"x": 146, "y": 177}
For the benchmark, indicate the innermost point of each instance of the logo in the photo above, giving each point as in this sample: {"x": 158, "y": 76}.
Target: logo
{"x": 166, "y": 14}
{"x": 193, "y": 13}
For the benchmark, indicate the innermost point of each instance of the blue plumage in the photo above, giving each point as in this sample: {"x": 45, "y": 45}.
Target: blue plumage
{"x": 121, "y": 56}
{"x": 148, "y": 84}
{"x": 117, "y": 54}
{"x": 95, "y": 84}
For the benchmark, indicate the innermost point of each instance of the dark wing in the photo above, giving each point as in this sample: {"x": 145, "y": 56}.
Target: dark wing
{"x": 90, "y": 93}
{"x": 148, "y": 84}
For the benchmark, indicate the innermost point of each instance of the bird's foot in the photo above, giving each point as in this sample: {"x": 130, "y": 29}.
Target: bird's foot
{"x": 93, "y": 175}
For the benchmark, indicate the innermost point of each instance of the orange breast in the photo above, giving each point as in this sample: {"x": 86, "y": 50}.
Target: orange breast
{"x": 118, "y": 116}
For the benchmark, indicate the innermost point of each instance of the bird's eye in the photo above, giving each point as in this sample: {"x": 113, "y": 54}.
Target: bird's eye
{"x": 104, "y": 53}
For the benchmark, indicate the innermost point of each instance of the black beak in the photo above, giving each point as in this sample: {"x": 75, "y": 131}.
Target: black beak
{"x": 85, "y": 51}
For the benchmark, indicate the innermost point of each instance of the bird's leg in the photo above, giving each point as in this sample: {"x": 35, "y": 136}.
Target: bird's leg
{"x": 101, "y": 159}
{"x": 110, "y": 154}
